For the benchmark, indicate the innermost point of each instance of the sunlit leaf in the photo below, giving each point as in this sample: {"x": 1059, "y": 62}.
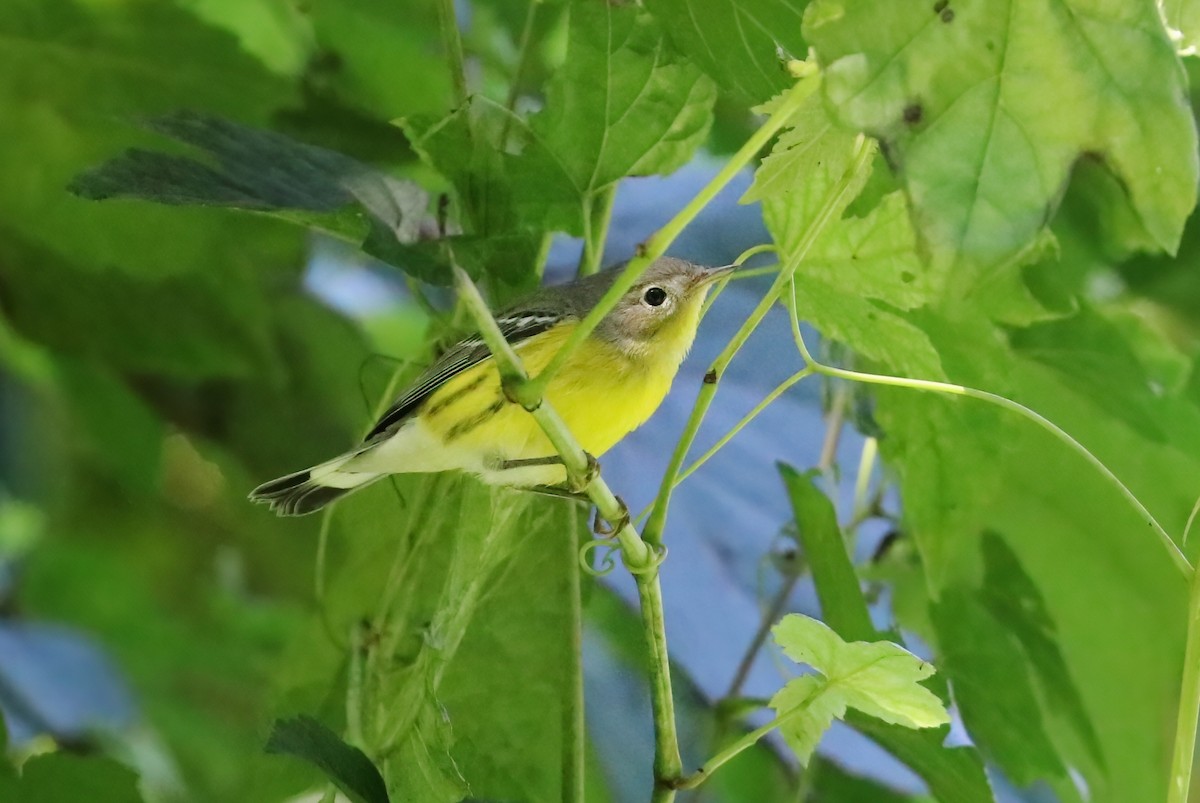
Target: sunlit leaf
{"x": 956, "y": 93}
{"x": 878, "y": 678}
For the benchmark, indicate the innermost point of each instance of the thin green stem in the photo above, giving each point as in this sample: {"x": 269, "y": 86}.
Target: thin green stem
{"x": 454, "y": 51}
{"x": 657, "y": 244}
{"x": 732, "y": 751}
{"x": 946, "y": 388}
{"x": 778, "y": 391}
{"x": 833, "y": 429}
{"x": 862, "y": 483}
{"x": 837, "y": 201}
{"x": 597, "y": 216}
{"x": 575, "y": 740}
{"x": 1184, "y": 753}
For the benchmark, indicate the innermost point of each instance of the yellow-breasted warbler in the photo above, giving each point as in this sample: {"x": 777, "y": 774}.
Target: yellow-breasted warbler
{"x": 456, "y": 415}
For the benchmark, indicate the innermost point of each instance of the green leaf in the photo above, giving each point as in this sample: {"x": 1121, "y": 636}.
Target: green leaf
{"x": 462, "y": 587}
{"x": 347, "y": 766}
{"x": 624, "y": 104}
{"x": 994, "y": 691}
{"x": 1096, "y": 357}
{"x": 70, "y": 76}
{"x": 965, "y": 469}
{"x": 953, "y": 774}
{"x": 736, "y": 41}
{"x": 875, "y": 256}
{"x": 867, "y": 327}
{"x": 956, "y": 95}
{"x": 64, "y": 778}
{"x": 842, "y": 602}
{"x": 262, "y": 171}
{"x": 878, "y": 678}
{"x": 810, "y": 710}
{"x": 1010, "y": 595}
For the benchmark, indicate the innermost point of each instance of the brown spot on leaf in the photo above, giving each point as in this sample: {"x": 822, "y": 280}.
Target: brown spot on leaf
{"x": 913, "y": 113}
{"x": 947, "y": 15}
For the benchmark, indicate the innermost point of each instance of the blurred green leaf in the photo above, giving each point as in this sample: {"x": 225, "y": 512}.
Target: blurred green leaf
{"x": 69, "y": 76}
{"x": 870, "y": 329}
{"x": 954, "y": 92}
{"x": 736, "y": 42}
{"x": 381, "y": 57}
{"x": 182, "y": 326}
{"x": 842, "y": 602}
{"x": 347, "y": 766}
{"x": 274, "y": 31}
{"x": 64, "y": 778}
{"x": 878, "y": 678}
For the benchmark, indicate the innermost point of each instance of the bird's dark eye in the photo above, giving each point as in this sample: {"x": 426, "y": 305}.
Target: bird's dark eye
{"x": 655, "y": 296}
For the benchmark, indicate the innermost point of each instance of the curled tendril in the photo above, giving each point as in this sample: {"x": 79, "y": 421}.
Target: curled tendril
{"x": 660, "y": 554}
{"x": 607, "y": 564}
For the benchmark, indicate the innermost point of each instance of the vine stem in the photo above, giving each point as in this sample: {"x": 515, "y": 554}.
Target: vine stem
{"x": 746, "y": 742}
{"x": 1189, "y": 702}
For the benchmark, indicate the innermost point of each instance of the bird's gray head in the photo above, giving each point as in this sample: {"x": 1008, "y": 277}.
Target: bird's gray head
{"x": 659, "y": 314}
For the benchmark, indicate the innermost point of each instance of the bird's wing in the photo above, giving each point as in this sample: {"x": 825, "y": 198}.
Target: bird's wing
{"x": 516, "y": 327}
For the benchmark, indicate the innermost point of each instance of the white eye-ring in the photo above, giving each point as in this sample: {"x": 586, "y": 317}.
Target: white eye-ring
{"x": 654, "y": 296}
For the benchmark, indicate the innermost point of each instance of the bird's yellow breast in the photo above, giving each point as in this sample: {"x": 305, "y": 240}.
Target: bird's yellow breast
{"x": 601, "y": 393}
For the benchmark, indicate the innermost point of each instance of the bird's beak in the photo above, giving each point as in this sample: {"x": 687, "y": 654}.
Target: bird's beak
{"x": 713, "y": 275}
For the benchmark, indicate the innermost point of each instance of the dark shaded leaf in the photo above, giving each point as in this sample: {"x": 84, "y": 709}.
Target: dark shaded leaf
{"x": 257, "y": 170}
{"x": 1011, "y": 596}
{"x": 994, "y": 691}
{"x": 954, "y": 774}
{"x": 842, "y": 604}
{"x": 348, "y": 767}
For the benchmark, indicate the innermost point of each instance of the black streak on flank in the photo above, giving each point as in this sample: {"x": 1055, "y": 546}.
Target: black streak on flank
{"x": 710, "y": 378}
{"x": 913, "y": 113}
{"x": 482, "y": 417}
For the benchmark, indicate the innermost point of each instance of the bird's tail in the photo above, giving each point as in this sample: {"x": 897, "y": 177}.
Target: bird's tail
{"x": 308, "y": 491}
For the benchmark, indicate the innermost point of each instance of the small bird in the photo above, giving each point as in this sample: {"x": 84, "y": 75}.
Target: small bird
{"x": 457, "y": 416}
